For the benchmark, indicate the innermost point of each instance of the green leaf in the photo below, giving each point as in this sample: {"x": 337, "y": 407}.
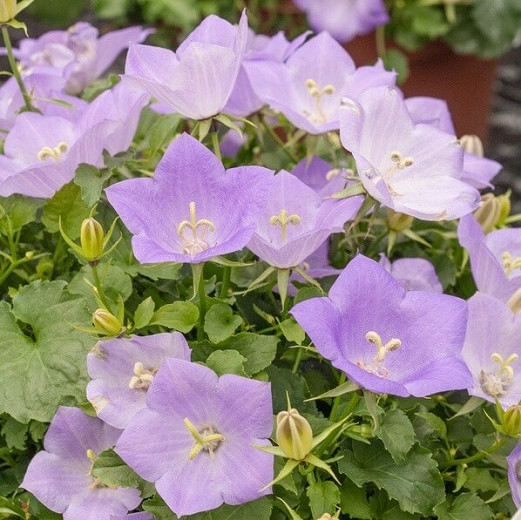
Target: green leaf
{"x": 163, "y": 131}
{"x": 90, "y": 180}
{"x": 68, "y": 205}
{"x": 435, "y": 422}
{"x": 20, "y": 209}
{"x": 14, "y": 433}
{"x": 226, "y": 362}
{"x": 144, "y": 313}
{"x": 416, "y": 483}
{"x": 220, "y": 322}
{"x": 112, "y": 471}
{"x": 323, "y": 498}
{"x": 353, "y": 501}
{"x": 397, "y": 433}
{"x": 257, "y": 510}
{"x": 292, "y": 331}
{"x": 115, "y": 282}
{"x": 181, "y": 316}
{"x": 259, "y": 351}
{"x": 397, "y": 61}
{"x": 467, "y": 506}
{"x": 45, "y": 366}
{"x": 158, "y": 508}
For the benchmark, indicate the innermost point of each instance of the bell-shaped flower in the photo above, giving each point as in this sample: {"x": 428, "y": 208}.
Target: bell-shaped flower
{"x": 194, "y": 439}
{"x": 260, "y": 49}
{"x": 193, "y": 209}
{"x": 296, "y": 221}
{"x": 310, "y": 85}
{"x": 514, "y": 474}
{"x": 386, "y": 339}
{"x": 61, "y": 476}
{"x": 412, "y": 169}
{"x": 122, "y": 370}
{"x": 345, "y": 19}
{"x": 197, "y": 80}
{"x": 78, "y": 53}
{"x": 495, "y": 258}
{"x": 416, "y": 274}
{"x": 40, "y": 165}
{"x": 478, "y": 170}
{"x": 492, "y": 350}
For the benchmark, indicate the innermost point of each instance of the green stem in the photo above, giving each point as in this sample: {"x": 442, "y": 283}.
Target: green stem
{"x": 380, "y": 41}
{"x": 99, "y": 286}
{"x": 202, "y": 308}
{"x": 16, "y": 71}
{"x": 478, "y": 456}
{"x": 296, "y": 364}
{"x": 278, "y": 140}
{"x": 215, "y": 144}
{"x": 227, "y": 272}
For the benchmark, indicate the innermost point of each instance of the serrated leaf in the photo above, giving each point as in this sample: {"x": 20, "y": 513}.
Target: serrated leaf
{"x": 20, "y": 209}
{"x": 323, "y": 498}
{"x": 397, "y": 433}
{"x": 435, "y": 422}
{"x": 47, "y": 368}
{"x": 144, "y": 313}
{"x": 90, "y": 180}
{"x": 416, "y": 483}
{"x": 14, "y": 433}
{"x": 467, "y": 506}
{"x": 181, "y": 316}
{"x": 292, "y": 331}
{"x": 226, "y": 362}
{"x": 257, "y": 510}
{"x": 220, "y": 322}
{"x": 156, "y": 505}
{"x": 112, "y": 471}
{"x": 353, "y": 501}
{"x": 67, "y": 204}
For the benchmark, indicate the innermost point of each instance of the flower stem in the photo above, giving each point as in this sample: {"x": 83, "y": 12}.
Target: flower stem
{"x": 202, "y": 308}
{"x": 99, "y": 286}
{"x": 227, "y": 271}
{"x": 380, "y": 41}
{"x": 16, "y": 71}
{"x": 279, "y": 141}
{"x": 478, "y": 456}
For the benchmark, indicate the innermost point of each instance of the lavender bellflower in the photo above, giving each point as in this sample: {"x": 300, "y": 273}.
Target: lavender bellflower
{"x": 386, "y": 339}
{"x": 514, "y": 474}
{"x": 194, "y": 439}
{"x": 61, "y": 476}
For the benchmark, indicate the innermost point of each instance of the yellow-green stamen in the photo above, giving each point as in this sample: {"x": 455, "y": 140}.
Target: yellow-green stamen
{"x": 205, "y": 440}
{"x": 317, "y": 116}
{"x": 53, "y": 153}
{"x": 509, "y": 263}
{"x": 142, "y": 377}
{"x": 196, "y": 242}
{"x": 376, "y": 367}
{"x": 283, "y": 220}
{"x": 497, "y": 384}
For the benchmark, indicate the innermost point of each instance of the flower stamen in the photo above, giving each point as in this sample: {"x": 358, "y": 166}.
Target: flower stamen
{"x": 318, "y": 116}
{"x": 400, "y": 162}
{"x": 509, "y": 263}
{"x": 283, "y": 220}
{"x": 376, "y": 367}
{"x": 498, "y": 383}
{"x": 205, "y": 440}
{"x": 53, "y": 153}
{"x": 143, "y": 377}
{"x": 196, "y": 242}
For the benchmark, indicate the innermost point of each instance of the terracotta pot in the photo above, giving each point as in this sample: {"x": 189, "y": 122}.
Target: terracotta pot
{"x": 465, "y": 82}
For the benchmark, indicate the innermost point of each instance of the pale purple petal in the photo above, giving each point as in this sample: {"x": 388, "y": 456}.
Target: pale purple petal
{"x": 514, "y": 474}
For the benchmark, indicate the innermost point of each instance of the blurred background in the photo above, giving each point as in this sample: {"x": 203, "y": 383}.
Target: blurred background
{"x": 483, "y": 88}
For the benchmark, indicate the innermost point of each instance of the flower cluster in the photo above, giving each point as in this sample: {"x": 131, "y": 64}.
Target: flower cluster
{"x": 318, "y": 227}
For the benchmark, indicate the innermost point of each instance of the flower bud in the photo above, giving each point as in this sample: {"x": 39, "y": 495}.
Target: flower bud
{"x": 472, "y": 144}
{"x": 294, "y": 434}
{"x": 7, "y": 10}
{"x": 398, "y": 221}
{"x": 91, "y": 238}
{"x": 511, "y": 420}
{"x": 489, "y": 213}
{"x": 106, "y": 323}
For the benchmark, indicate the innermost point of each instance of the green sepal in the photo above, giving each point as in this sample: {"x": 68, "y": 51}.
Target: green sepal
{"x": 325, "y": 434}
{"x": 315, "y": 461}
{"x": 24, "y": 4}
{"x": 350, "y": 191}
{"x": 344, "y": 388}
{"x": 273, "y": 450}
{"x": 290, "y": 465}
{"x": 75, "y": 247}
{"x": 221, "y": 260}
{"x": 16, "y": 24}
{"x": 283, "y": 282}
{"x": 308, "y": 278}
{"x": 292, "y": 514}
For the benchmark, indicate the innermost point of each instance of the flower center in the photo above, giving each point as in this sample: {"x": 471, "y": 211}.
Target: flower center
{"x": 194, "y": 240}
{"x": 510, "y": 264}
{"x": 207, "y": 439}
{"x": 317, "y": 116}
{"x": 142, "y": 377}
{"x": 376, "y": 366}
{"x": 284, "y": 220}
{"x": 53, "y": 153}
{"x": 400, "y": 162}
{"x": 497, "y": 384}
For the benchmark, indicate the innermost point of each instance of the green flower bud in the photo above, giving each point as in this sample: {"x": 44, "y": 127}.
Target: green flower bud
{"x": 294, "y": 434}
{"x": 7, "y": 10}
{"x": 472, "y": 144}
{"x": 91, "y": 239}
{"x": 398, "y": 221}
{"x": 106, "y": 323}
{"x": 489, "y": 213}
{"x": 511, "y": 420}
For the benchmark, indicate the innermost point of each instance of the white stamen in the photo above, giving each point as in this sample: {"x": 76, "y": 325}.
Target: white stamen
{"x": 53, "y": 153}
{"x": 376, "y": 367}
{"x": 317, "y": 116}
{"x": 498, "y": 383}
